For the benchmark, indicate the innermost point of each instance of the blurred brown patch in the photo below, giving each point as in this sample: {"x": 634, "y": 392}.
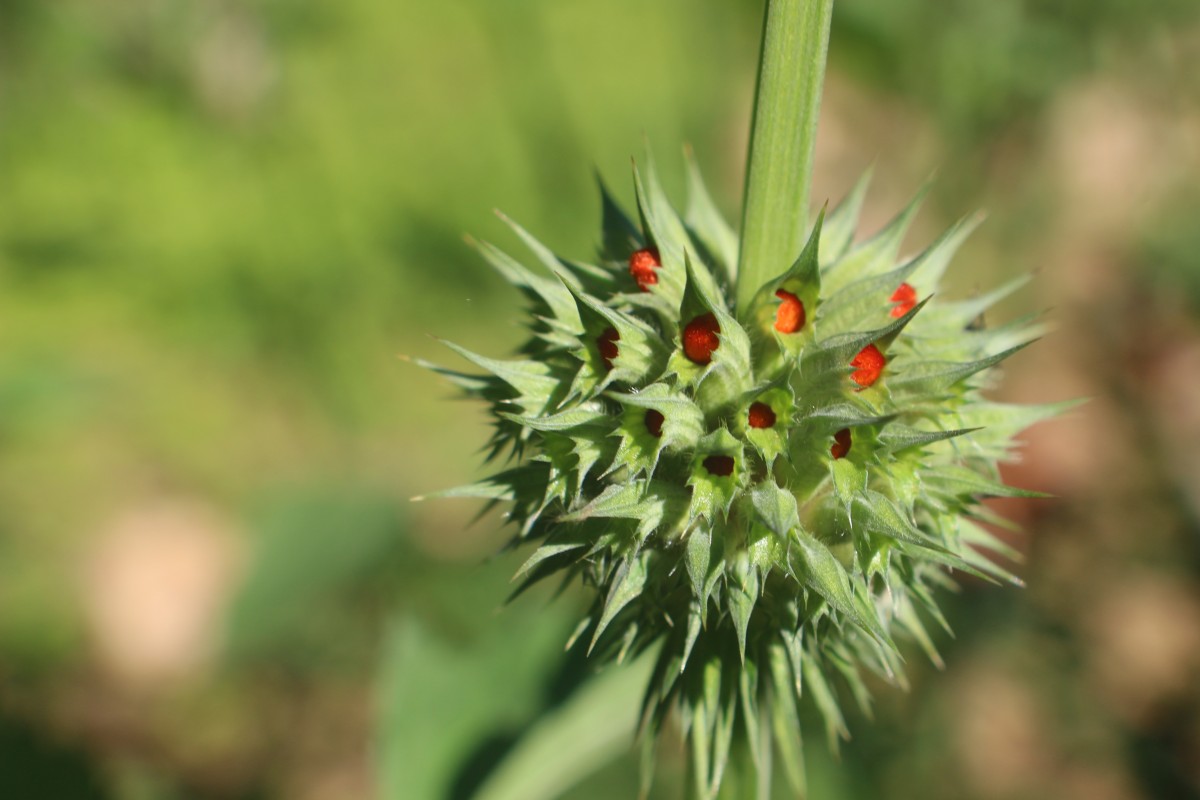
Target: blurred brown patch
{"x": 154, "y": 590}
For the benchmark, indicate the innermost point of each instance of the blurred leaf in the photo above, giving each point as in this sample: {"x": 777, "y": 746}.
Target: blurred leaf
{"x": 446, "y": 707}
{"x": 317, "y": 551}
{"x": 33, "y": 767}
{"x": 594, "y": 727}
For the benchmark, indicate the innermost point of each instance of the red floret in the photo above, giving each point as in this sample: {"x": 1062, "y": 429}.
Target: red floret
{"x": 654, "y": 422}
{"x": 790, "y": 316}
{"x": 868, "y": 366}
{"x": 905, "y": 297}
{"x": 721, "y": 466}
{"x": 700, "y": 338}
{"x": 642, "y": 266}
{"x": 761, "y": 416}
{"x": 841, "y": 443}
{"x": 606, "y": 343}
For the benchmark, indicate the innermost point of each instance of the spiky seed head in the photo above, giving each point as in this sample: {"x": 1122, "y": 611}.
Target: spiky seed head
{"x": 769, "y": 498}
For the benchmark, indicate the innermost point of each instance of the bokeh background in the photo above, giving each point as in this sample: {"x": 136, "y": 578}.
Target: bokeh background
{"x": 222, "y": 222}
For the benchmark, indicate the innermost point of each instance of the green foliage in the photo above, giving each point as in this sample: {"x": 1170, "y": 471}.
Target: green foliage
{"x": 322, "y": 555}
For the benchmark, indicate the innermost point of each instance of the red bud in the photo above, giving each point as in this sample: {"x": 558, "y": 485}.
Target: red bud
{"x": 841, "y": 443}
{"x": 642, "y": 264}
{"x": 721, "y": 466}
{"x": 789, "y": 317}
{"x": 761, "y": 416}
{"x": 654, "y": 422}
{"x": 606, "y": 343}
{"x": 700, "y": 338}
{"x": 868, "y": 366}
{"x": 905, "y": 298}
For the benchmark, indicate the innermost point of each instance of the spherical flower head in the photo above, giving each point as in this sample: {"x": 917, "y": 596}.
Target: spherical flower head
{"x": 765, "y": 495}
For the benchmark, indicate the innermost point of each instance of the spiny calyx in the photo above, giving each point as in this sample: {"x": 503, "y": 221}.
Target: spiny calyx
{"x": 769, "y": 497}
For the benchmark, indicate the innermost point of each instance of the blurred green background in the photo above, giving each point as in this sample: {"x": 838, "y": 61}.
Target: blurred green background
{"x": 222, "y": 221}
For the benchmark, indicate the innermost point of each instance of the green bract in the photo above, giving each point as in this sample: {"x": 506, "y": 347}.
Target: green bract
{"x": 770, "y": 504}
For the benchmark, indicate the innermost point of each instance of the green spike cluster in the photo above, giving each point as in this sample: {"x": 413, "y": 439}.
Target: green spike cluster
{"x": 770, "y": 504}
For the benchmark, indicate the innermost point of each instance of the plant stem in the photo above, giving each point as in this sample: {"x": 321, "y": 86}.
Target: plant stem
{"x": 783, "y": 134}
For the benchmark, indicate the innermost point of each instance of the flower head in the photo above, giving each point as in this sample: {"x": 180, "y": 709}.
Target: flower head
{"x": 764, "y": 495}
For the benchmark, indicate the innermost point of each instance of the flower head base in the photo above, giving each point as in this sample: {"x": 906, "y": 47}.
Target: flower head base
{"x": 768, "y": 496}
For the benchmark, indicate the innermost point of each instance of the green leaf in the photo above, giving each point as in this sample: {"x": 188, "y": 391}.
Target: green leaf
{"x": 705, "y": 223}
{"x": 842, "y": 223}
{"x": 956, "y": 481}
{"x": 785, "y": 722}
{"x": 531, "y": 378}
{"x": 878, "y": 514}
{"x": 625, "y": 501}
{"x": 555, "y": 300}
{"x": 666, "y": 233}
{"x": 627, "y": 584}
{"x": 578, "y": 416}
{"x": 472, "y": 688}
{"x": 930, "y": 265}
{"x": 826, "y": 701}
{"x": 748, "y": 692}
{"x": 620, "y": 236}
{"x": 720, "y": 700}
{"x": 906, "y": 615}
{"x": 959, "y": 315}
{"x": 934, "y": 377}
{"x": 640, "y": 350}
{"x": 507, "y": 485}
{"x": 591, "y": 729}
{"x": 699, "y": 559}
{"x": 544, "y": 552}
{"x": 876, "y": 254}
{"x": 319, "y": 544}
{"x": 803, "y": 280}
{"x": 817, "y": 568}
{"x": 863, "y": 303}
{"x": 776, "y": 508}
{"x": 849, "y": 478}
{"x": 743, "y": 594}
{"x": 896, "y": 438}
{"x": 683, "y": 421}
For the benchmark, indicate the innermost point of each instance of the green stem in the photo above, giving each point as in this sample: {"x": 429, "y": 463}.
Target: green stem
{"x": 783, "y": 134}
